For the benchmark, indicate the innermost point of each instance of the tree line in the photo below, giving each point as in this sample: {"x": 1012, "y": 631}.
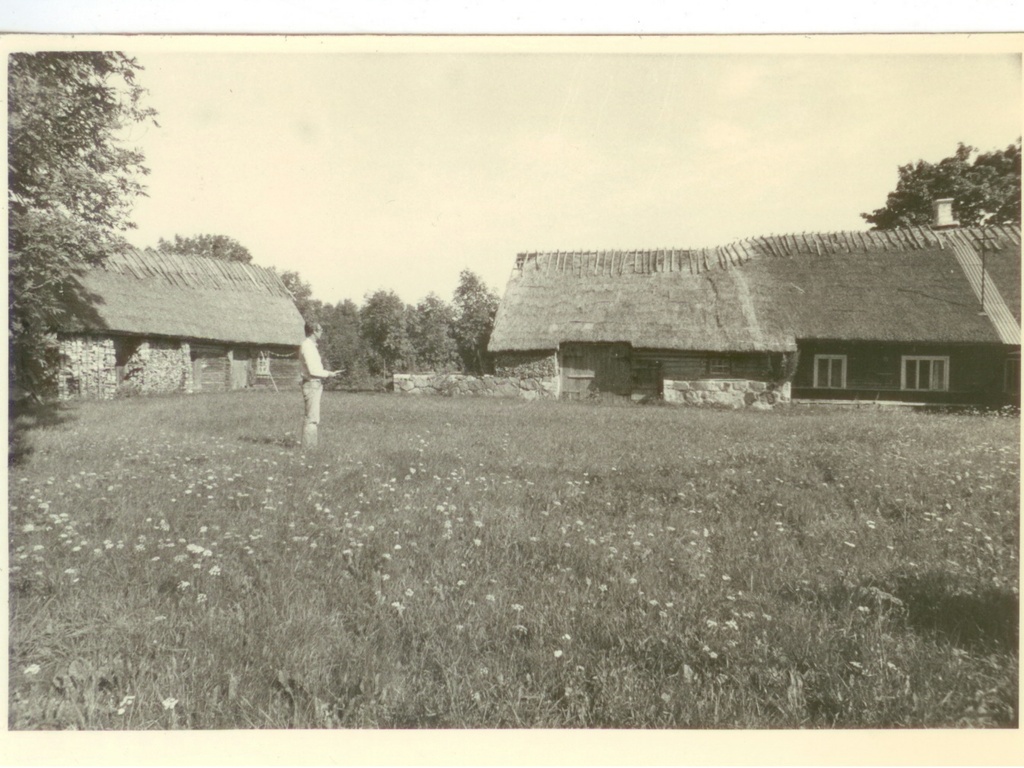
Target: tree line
{"x": 385, "y": 335}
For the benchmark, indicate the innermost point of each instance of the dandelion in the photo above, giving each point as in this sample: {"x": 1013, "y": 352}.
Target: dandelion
{"x": 32, "y": 669}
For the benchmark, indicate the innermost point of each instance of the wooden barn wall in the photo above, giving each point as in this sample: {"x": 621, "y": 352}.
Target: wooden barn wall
{"x": 691, "y": 366}
{"x": 872, "y": 369}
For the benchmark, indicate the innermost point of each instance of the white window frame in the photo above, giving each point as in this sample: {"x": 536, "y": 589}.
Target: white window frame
{"x": 842, "y": 372}
{"x": 930, "y": 359}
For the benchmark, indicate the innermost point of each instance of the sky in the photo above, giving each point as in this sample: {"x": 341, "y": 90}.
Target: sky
{"x": 373, "y": 170}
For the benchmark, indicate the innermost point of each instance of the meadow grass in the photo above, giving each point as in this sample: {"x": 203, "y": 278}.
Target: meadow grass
{"x": 177, "y": 562}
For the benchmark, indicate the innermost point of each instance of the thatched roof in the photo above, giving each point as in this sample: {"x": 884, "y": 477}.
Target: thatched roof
{"x": 762, "y": 293}
{"x": 158, "y": 294}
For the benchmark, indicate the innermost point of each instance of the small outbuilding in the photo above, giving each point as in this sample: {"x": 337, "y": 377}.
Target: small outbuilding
{"x": 152, "y": 322}
{"x": 922, "y": 314}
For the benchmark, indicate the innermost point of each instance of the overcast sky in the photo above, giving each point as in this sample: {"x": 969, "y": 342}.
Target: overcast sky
{"x": 397, "y": 170}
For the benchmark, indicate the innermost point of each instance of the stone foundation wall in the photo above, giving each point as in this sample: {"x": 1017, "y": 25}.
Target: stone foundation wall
{"x": 455, "y": 384}
{"x": 160, "y": 366}
{"x": 87, "y": 367}
{"x": 526, "y": 365}
{"x": 727, "y": 393}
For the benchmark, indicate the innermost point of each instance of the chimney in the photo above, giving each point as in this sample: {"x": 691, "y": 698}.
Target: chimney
{"x": 942, "y": 214}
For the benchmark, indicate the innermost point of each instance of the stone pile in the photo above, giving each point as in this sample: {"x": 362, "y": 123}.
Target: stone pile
{"x": 455, "y": 384}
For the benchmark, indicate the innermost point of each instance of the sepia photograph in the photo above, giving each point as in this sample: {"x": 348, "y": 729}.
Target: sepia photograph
{"x": 662, "y": 384}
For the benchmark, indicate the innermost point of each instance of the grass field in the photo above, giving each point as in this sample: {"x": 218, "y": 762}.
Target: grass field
{"x": 179, "y": 563}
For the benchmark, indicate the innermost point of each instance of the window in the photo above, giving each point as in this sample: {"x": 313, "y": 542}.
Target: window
{"x": 925, "y": 373}
{"x": 719, "y": 366}
{"x": 830, "y": 371}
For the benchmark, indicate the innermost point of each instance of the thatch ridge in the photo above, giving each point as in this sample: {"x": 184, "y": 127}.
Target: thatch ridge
{"x": 696, "y": 260}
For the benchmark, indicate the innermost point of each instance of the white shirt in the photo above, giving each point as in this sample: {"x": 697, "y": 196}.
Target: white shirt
{"x": 309, "y": 356}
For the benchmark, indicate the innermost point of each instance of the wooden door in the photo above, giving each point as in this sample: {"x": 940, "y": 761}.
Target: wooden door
{"x": 240, "y": 365}
{"x": 596, "y": 369}
{"x": 209, "y": 368}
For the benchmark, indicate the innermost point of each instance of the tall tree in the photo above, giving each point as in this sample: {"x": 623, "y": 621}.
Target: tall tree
{"x": 985, "y": 189}
{"x": 382, "y": 326}
{"x": 341, "y": 345}
{"x": 71, "y": 185}
{"x": 475, "y": 307}
{"x": 429, "y": 326}
{"x": 211, "y": 246}
{"x": 302, "y": 293}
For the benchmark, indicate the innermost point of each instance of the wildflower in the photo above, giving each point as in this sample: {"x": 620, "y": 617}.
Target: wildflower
{"x": 490, "y": 598}
{"x": 567, "y": 638}
{"x": 398, "y": 607}
{"x": 32, "y": 669}
{"x": 603, "y": 587}
{"x": 863, "y": 609}
{"x": 201, "y": 598}
{"x": 215, "y": 571}
{"x": 169, "y": 703}
{"x": 477, "y": 542}
{"x": 408, "y": 593}
{"x": 558, "y": 654}
{"x": 183, "y": 585}
{"x": 666, "y": 697}
{"x": 517, "y": 607}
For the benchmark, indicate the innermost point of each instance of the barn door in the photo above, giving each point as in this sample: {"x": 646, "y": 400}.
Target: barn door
{"x": 596, "y": 369}
{"x": 209, "y": 368}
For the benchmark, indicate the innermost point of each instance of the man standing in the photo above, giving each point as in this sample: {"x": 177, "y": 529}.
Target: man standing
{"x": 313, "y": 375}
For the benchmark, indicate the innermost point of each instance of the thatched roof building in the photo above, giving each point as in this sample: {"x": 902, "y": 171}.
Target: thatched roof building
{"x": 762, "y": 293}
{"x": 146, "y": 321}
{"x": 923, "y": 313}
{"x": 159, "y": 294}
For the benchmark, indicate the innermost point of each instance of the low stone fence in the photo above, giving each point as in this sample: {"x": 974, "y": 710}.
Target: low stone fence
{"x": 453, "y": 384}
{"x": 727, "y": 393}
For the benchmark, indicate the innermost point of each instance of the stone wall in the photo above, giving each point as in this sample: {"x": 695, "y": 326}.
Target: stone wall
{"x": 727, "y": 393}
{"x": 160, "y": 366}
{"x": 526, "y": 365}
{"x": 88, "y": 367}
{"x": 454, "y": 384}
